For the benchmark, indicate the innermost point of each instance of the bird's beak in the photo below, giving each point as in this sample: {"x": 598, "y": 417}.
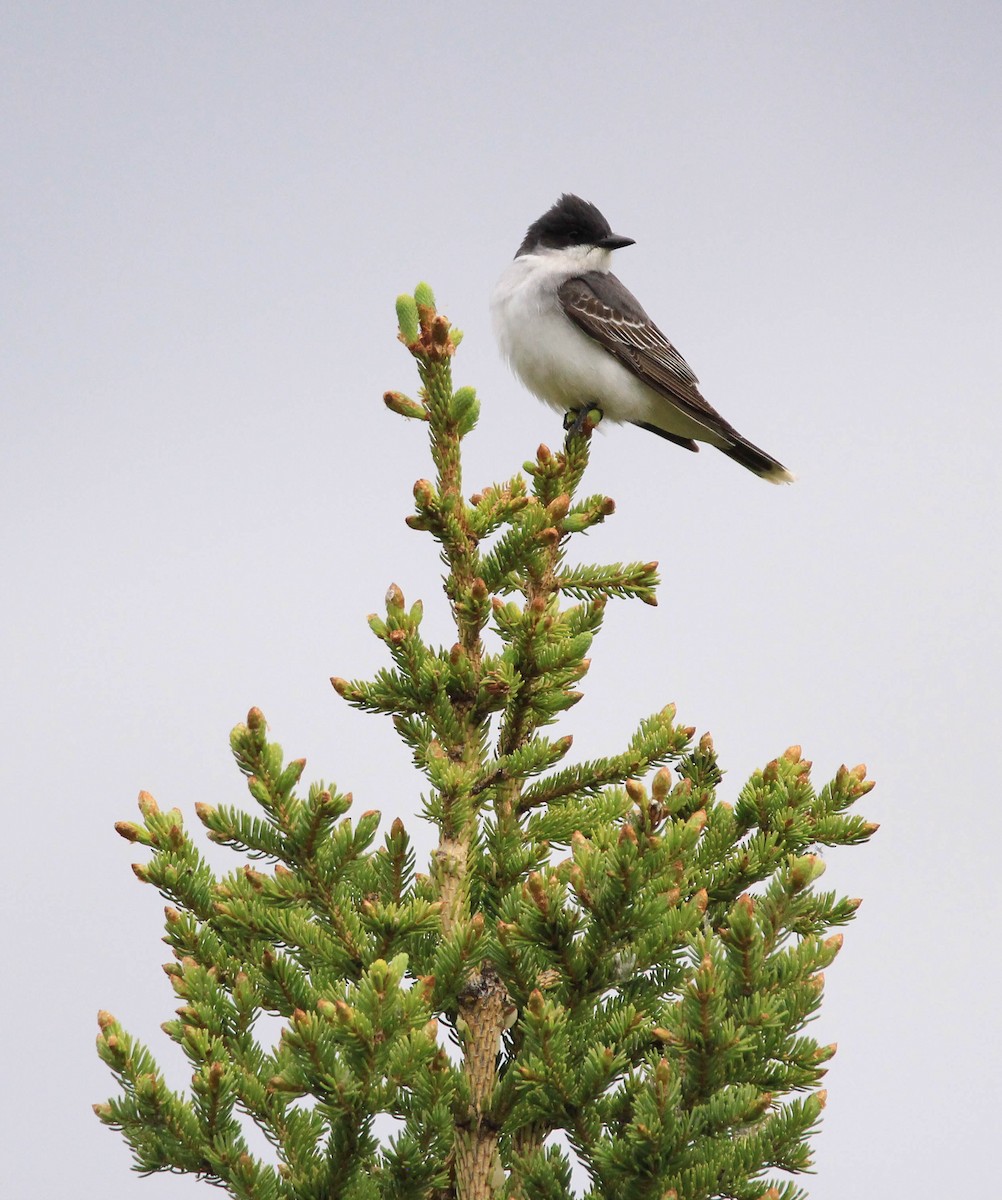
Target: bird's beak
{"x": 615, "y": 242}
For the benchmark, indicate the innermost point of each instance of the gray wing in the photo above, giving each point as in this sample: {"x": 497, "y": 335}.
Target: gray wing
{"x": 609, "y": 313}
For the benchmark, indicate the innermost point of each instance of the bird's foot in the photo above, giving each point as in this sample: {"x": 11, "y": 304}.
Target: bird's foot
{"x": 579, "y": 422}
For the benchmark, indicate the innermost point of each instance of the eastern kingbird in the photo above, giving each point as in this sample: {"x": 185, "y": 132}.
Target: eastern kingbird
{"x": 579, "y": 340}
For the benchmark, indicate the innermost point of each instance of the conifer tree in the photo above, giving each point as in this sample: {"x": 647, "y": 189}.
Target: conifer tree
{"x": 623, "y": 963}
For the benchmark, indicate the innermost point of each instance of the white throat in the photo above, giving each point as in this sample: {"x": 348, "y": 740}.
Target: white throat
{"x": 573, "y": 260}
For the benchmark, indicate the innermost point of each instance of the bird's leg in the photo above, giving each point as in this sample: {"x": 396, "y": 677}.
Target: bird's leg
{"x": 579, "y": 422}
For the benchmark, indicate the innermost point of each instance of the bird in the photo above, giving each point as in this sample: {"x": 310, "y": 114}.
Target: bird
{"x": 578, "y": 339}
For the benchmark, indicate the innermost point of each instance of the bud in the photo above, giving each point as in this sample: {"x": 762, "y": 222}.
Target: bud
{"x": 465, "y": 404}
{"x": 547, "y": 978}
{"x": 577, "y": 523}
{"x": 394, "y": 597}
{"x": 147, "y": 805}
{"x": 406, "y": 407}
{"x": 128, "y": 830}
{"x": 424, "y": 296}
{"x": 536, "y": 889}
{"x": 661, "y": 784}
{"x": 407, "y": 320}
{"x": 204, "y": 812}
{"x": 424, "y": 493}
{"x": 557, "y": 509}
{"x": 636, "y": 791}
{"x": 628, "y": 834}
{"x": 792, "y": 754}
{"x": 805, "y": 870}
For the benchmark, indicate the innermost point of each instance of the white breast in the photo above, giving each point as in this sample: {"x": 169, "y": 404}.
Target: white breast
{"x": 556, "y": 360}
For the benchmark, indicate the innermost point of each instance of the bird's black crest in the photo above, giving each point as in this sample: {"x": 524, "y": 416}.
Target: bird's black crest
{"x": 570, "y": 222}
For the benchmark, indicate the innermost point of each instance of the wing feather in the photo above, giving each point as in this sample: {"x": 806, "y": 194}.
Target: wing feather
{"x": 600, "y": 305}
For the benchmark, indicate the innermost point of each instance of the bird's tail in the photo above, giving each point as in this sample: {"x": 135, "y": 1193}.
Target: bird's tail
{"x": 757, "y": 461}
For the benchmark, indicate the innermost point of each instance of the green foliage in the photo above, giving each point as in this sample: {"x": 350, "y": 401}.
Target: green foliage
{"x": 631, "y": 965}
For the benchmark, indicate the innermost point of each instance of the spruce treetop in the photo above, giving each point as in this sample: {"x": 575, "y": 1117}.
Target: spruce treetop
{"x": 602, "y": 957}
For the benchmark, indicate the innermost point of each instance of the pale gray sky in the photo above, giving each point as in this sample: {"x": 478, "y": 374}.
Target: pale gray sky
{"x": 207, "y": 213}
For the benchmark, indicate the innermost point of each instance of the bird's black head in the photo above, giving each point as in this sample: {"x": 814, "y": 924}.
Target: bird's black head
{"x": 571, "y": 222}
